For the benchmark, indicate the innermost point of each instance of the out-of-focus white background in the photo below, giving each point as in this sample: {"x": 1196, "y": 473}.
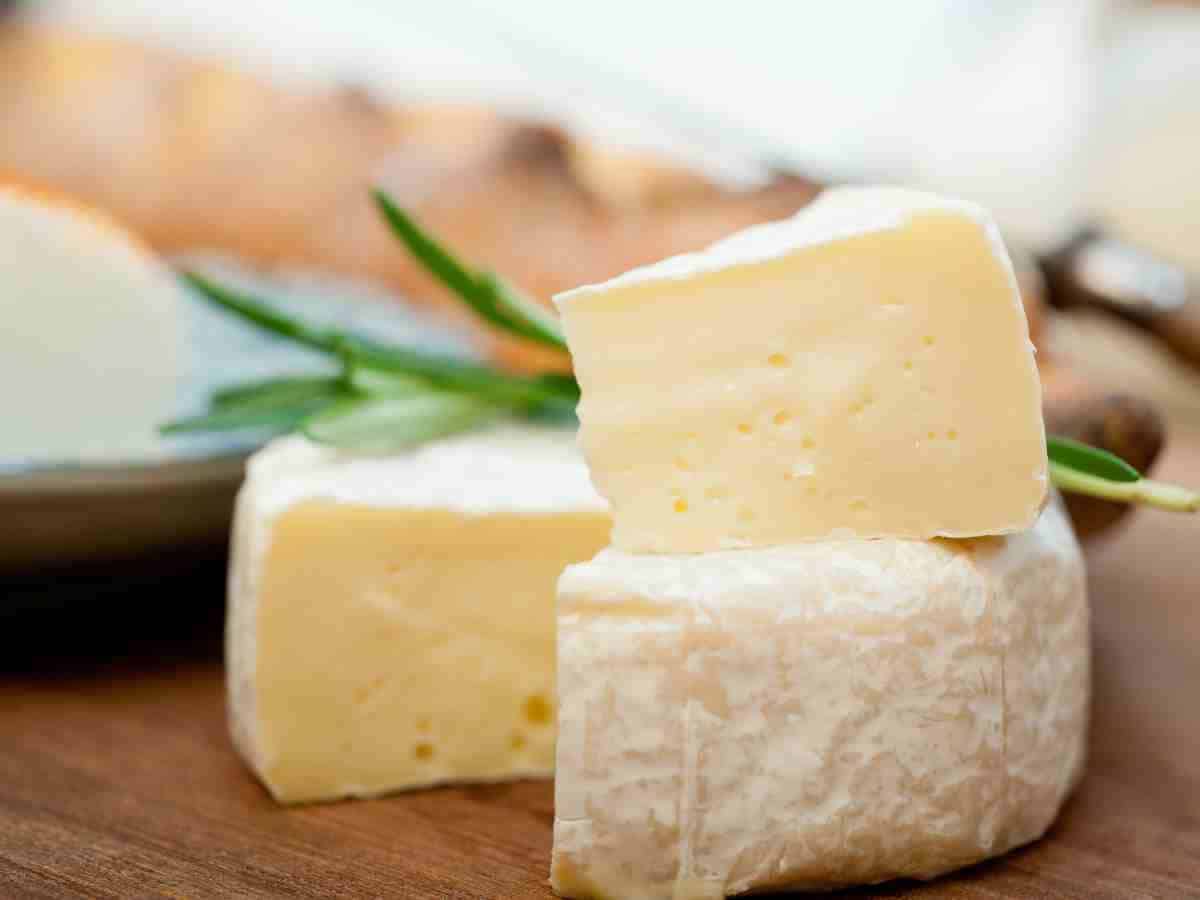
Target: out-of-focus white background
{"x": 1030, "y": 107}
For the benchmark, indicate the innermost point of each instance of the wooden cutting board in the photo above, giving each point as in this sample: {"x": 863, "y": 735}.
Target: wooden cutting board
{"x": 117, "y": 778}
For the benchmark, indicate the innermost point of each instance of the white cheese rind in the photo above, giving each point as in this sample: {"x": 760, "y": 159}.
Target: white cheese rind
{"x": 391, "y": 619}
{"x": 815, "y": 716}
{"x": 836, "y": 215}
{"x": 863, "y": 369}
{"x": 503, "y": 469}
{"x": 91, "y": 349}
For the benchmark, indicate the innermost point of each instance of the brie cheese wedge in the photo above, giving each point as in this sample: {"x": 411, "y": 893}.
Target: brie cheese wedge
{"x": 391, "y": 618}
{"x": 863, "y": 369}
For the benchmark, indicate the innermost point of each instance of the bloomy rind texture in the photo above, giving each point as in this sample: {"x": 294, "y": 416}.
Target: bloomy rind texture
{"x": 815, "y": 716}
{"x": 856, "y": 211}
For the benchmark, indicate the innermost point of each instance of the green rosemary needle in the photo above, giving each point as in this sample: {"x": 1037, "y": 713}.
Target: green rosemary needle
{"x": 487, "y": 294}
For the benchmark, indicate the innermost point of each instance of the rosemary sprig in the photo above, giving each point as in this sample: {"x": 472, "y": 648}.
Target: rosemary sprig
{"x": 272, "y": 392}
{"x": 1073, "y": 454}
{"x": 375, "y": 382}
{"x": 490, "y": 296}
{"x": 393, "y": 422}
{"x": 388, "y": 397}
{"x": 277, "y": 404}
{"x": 437, "y": 369}
{"x": 1082, "y": 469}
{"x": 277, "y": 418}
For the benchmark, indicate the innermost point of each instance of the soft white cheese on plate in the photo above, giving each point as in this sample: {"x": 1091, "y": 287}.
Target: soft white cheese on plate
{"x": 91, "y": 344}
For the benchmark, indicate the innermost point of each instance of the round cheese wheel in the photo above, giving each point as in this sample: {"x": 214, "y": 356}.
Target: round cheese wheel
{"x": 815, "y": 716}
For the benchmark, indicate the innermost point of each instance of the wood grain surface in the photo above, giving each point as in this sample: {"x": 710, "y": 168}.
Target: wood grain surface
{"x": 117, "y": 778}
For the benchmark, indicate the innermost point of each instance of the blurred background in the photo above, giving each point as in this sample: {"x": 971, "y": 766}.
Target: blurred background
{"x": 560, "y": 144}
{"x": 1034, "y": 108}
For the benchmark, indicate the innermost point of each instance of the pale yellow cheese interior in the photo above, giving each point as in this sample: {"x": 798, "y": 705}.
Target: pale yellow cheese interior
{"x": 397, "y": 648}
{"x": 876, "y": 382}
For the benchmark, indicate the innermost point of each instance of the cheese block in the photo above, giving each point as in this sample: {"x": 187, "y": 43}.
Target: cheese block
{"x": 817, "y": 715}
{"x": 862, "y": 369}
{"x": 391, "y": 618}
{"x": 91, "y": 345}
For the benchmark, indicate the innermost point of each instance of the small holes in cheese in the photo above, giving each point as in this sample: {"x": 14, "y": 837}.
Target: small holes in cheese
{"x": 745, "y": 428}
{"x": 865, "y": 399}
{"x": 364, "y": 692}
{"x": 680, "y": 505}
{"x": 782, "y": 417}
{"x": 778, "y": 360}
{"x": 537, "y": 710}
{"x": 423, "y": 751}
{"x": 518, "y": 742}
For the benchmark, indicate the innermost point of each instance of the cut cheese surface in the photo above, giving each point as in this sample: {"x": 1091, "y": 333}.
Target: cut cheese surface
{"x": 91, "y": 345}
{"x": 391, "y": 619}
{"x": 863, "y": 369}
{"x": 817, "y": 715}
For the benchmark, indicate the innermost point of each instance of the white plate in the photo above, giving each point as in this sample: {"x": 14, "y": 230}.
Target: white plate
{"x": 180, "y": 491}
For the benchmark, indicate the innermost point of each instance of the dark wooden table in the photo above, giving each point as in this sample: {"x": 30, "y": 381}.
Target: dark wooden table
{"x": 117, "y": 778}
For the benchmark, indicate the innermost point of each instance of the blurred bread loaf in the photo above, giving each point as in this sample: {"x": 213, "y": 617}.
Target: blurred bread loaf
{"x": 196, "y": 155}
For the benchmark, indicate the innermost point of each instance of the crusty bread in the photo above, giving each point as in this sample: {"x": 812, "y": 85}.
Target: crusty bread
{"x": 197, "y": 156}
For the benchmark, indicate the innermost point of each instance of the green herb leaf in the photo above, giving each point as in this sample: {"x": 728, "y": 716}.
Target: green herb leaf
{"x": 261, "y": 314}
{"x": 274, "y": 418}
{"x": 371, "y": 381}
{"x": 564, "y": 384}
{"x": 1170, "y": 497}
{"x": 1089, "y": 460}
{"x": 381, "y": 424}
{"x": 327, "y": 340}
{"x": 279, "y": 392}
{"x": 274, "y": 403}
{"x": 487, "y": 294}
{"x": 439, "y": 369}
{"x": 1082, "y": 469}
{"x": 518, "y": 392}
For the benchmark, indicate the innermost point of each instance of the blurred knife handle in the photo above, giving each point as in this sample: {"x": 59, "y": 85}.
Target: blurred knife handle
{"x": 1095, "y": 269}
